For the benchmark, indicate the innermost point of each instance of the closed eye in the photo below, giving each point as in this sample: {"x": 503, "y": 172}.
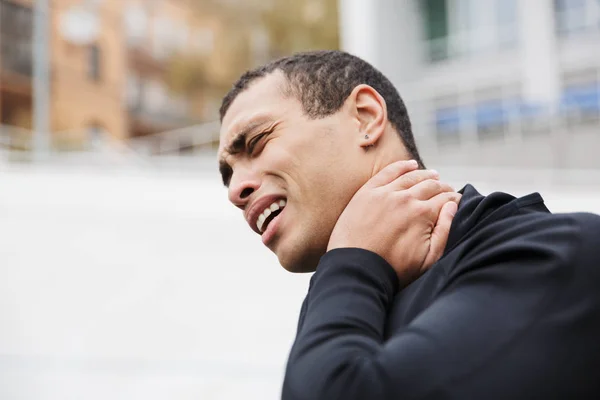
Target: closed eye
{"x": 254, "y": 141}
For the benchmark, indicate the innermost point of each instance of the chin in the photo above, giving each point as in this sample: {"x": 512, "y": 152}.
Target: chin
{"x": 301, "y": 260}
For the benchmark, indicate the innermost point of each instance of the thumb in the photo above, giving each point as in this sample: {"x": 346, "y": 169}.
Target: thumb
{"x": 439, "y": 236}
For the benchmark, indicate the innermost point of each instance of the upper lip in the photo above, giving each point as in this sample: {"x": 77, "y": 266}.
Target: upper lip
{"x": 257, "y": 207}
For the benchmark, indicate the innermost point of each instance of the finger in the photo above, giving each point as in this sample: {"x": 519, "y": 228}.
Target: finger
{"x": 441, "y": 231}
{"x": 437, "y": 202}
{"x": 432, "y": 207}
{"x": 412, "y": 178}
{"x": 392, "y": 171}
{"x": 429, "y": 188}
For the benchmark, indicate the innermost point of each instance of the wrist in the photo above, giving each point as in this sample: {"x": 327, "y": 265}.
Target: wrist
{"x": 364, "y": 262}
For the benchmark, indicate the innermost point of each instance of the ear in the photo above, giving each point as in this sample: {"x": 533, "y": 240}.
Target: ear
{"x": 369, "y": 109}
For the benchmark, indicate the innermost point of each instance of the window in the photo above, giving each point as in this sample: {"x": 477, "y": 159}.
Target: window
{"x": 491, "y": 118}
{"x": 506, "y": 20}
{"x": 490, "y": 113}
{"x": 533, "y": 117}
{"x": 16, "y": 33}
{"x": 448, "y": 123}
{"x": 495, "y": 109}
{"x": 436, "y": 28}
{"x": 94, "y": 55}
{"x": 454, "y": 28}
{"x": 580, "y": 99}
{"x": 576, "y": 16}
{"x": 449, "y": 119}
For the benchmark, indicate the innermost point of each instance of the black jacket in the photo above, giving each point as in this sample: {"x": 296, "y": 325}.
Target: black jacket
{"x": 511, "y": 311}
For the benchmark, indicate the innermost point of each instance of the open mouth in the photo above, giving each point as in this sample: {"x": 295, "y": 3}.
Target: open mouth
{"x": 269, "y": 214}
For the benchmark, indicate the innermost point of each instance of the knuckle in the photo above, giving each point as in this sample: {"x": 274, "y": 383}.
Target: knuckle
{"x": 405, "y": 182}
{"x": 382, "y": 190}
{"x": 423, "y": 175}
{"x": 428, "y": 186}
{"x": 435, "y": 184}
{"x": 410, "y": 182}
{"x": 453, "y": 196}
{"x": 410, "y": 179}
{"x": 422, "y": 209}
{"x": 448, "y": 188}
{"x": 427, "y": 175}
{"x": 380, "y": 196}
{"x": 404, "y": 197}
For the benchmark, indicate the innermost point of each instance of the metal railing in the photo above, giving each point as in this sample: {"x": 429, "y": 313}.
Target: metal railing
{"x": 16, "y": 145}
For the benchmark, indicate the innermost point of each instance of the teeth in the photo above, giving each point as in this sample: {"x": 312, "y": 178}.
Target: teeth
{"x": 267, "y": 212}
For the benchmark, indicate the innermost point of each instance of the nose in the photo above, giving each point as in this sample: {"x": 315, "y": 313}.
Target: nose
{"x": 241, "y": 186}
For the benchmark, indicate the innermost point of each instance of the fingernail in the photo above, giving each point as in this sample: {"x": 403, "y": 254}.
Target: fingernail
{"x": 433, "y": 171}
{"x": 413, "y": 163}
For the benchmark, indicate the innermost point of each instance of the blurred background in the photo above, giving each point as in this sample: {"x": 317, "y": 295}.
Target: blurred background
{"x": 125, "y": 274}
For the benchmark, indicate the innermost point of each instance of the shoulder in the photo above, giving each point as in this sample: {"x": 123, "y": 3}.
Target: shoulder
{"x": 528, "y": 256}
{"x": 575, "y": 231}
{"x": 530, "y": 238}
{"x": 532, "y": 228}
{"x": 588, "y": 251}
{"x": 588, "y": 223}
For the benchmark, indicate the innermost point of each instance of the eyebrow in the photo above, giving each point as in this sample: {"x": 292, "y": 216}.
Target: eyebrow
{"x": 238, "y": 145}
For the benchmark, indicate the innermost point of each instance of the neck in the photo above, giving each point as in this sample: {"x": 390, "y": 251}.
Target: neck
{"x": 388, "y": 149}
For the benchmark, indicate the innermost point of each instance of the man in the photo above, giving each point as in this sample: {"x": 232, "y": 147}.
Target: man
{"x": 314, "y": 150}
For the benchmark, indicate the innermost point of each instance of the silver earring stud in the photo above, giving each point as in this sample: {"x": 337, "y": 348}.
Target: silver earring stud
{"x": 366, "y": 136}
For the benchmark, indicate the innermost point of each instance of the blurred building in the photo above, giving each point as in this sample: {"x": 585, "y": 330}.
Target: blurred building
{"x": 15, "y": 63}
{"x": 115, "y": 84}
{"x": 489, "y": 82}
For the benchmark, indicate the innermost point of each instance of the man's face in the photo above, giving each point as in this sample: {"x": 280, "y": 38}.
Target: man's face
{"x": 303, "y": 170}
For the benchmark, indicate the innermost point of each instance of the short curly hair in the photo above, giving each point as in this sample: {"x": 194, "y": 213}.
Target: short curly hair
{"x": 323, "y": 80}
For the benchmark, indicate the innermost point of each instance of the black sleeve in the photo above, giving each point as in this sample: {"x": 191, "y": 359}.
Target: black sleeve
{"x": 457, "y": 347}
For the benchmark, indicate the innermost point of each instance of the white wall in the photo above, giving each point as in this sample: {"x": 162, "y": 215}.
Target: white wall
{"x": 138, "y": 284}
{"x": 125, "y": 285}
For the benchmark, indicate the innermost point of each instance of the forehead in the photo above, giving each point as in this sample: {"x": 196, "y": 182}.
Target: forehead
{"x": 264, "y": 99}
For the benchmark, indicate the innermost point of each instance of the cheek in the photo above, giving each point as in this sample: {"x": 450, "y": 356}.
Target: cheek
{"x": 276, "y": 161}
{"x": 318, "y": 174}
